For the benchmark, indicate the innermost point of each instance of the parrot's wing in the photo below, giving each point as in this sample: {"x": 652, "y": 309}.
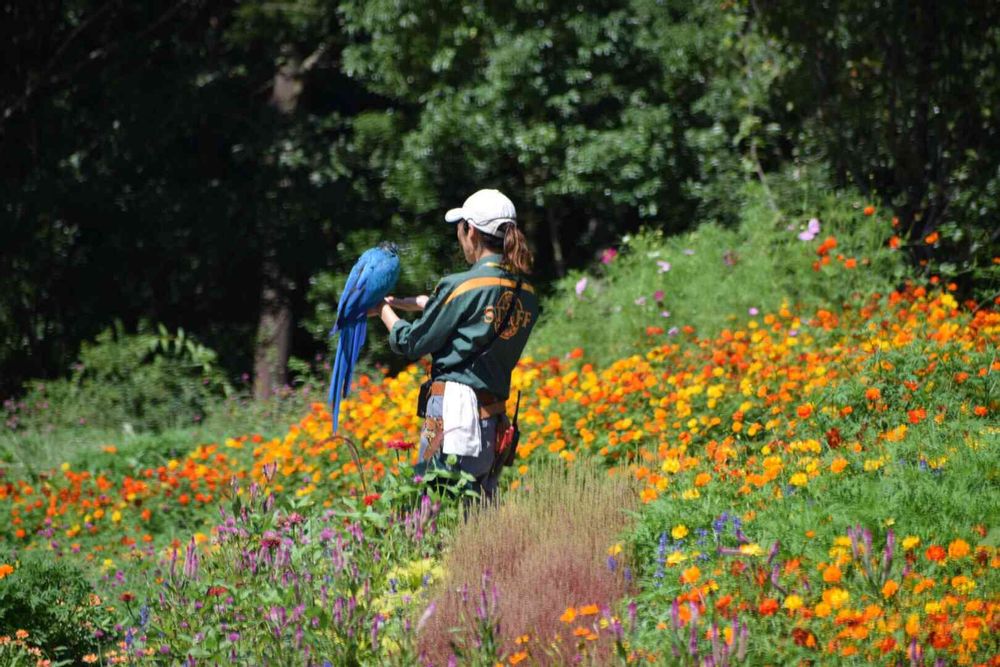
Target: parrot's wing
{"x": 353, "y": 297}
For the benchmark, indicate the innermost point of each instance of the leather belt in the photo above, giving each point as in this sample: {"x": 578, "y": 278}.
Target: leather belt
{"x": 489, "y": 405}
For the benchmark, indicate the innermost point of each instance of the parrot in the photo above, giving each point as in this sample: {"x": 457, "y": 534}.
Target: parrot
{"x": 374, "y": 275}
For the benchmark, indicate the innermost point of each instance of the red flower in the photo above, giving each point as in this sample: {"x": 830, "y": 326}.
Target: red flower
{"x": 768, "y": 607}
{"x": 217, "y": 590}
{"x": 126, "y": 597}
{"x": 936, "y": 553}
{"x": 370, "y": 499}
{"x": 399, "y": 445}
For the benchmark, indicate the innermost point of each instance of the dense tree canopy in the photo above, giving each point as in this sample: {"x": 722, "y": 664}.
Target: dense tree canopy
{"x": 219, "y": 164}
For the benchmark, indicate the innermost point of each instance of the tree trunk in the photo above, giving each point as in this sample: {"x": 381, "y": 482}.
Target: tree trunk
{"x": 274, "y": 326}
{"x": 274, "y": 333}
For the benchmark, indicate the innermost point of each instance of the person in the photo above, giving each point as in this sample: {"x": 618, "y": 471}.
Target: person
{"x": 474, "y": 325}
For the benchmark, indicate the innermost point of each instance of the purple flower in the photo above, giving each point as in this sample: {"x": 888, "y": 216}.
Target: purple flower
{"x": 581, "y": 285}
{"x": 812, "y": 229}
{"x": 664, "y": 266}
{"x": 673, "y": 331}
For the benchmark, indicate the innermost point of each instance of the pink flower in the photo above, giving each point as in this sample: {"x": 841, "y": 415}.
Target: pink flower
{"x": 608, "y": 255}
{"x": 658, "y": 296}
{"x": 812, "y": 229}
{"x": 641, "y": 301}
{"x": 753, "y": 311}
{"x": 580, "y": 286}
{"x": 664, "y": 266}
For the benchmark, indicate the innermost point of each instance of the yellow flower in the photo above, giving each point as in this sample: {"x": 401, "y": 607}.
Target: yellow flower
{"x": 676, "y": 558}
{"x": 752, "y": 549}
{"x": 792, "y": 602}
{"x": 910, "y": 542}
{"x": 615, "y": 549}
{"x": 679, "y": 532}
{"x": 671, "y": 465}
{"x": 799, "y": 479}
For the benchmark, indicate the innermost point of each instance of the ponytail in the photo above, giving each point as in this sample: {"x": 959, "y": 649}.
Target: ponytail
{"x": 516, "y": 254}
{"x": 515, "y": 250}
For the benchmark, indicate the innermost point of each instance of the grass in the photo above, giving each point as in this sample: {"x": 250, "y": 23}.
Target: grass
{"x": 717, "y": 276}
{"x": 545, "y": 547}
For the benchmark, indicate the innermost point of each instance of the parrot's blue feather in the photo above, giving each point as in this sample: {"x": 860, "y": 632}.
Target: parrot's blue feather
{"x": 373, "y": 276}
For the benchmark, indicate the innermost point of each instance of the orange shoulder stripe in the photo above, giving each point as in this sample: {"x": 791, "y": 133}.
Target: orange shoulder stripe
{"x": 487, "y": 281}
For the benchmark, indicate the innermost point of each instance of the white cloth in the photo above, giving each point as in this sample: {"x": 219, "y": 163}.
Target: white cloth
{"x": 460, "y": 414}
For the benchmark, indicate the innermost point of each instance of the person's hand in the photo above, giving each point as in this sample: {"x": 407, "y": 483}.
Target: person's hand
{"x": 376, "y": 310}
{"x": 410, "y": 303}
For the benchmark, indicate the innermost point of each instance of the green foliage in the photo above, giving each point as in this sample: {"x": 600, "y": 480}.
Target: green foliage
{"x": 52, "y": 600}
{"x": 146, "y": 381}
{"x": 716, "y": 274}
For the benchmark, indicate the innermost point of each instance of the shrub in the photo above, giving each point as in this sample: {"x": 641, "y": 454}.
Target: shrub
{"x": 544, "y": 548}
{"x": 148, "y": 380}
{"x": 52, "y": 601}
{"x": 714, "y": 275}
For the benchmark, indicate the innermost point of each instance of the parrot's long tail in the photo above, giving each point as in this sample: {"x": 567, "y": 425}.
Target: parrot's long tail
{"x": 352, "y": 337}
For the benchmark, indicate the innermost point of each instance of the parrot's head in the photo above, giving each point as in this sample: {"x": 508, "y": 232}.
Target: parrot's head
{"x": 389, "y": 247}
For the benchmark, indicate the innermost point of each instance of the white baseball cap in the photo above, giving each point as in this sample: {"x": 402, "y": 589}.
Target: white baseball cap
{"x": 486, "y": 210}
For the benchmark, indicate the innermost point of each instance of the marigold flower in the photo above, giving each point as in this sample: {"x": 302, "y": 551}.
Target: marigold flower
{"x": 767, "y": 607}
{"x": 691, "y": 575}
{"x": 517, "y": 657}
{"x": 932, "y": 238}
{"x": 792, "y": 602}
{"x": 569, "y": 615}
{"x": 889, "y": 589}
{"x": 935, "y": 553}
{"x": 831, "y": 574}
{"x": 958, "y": 549}
{"x": 869, "y": 210}
{"x": 6, "y": 569}
{"x": 588, "y": 610}
{"x": 679, "y": 532}
{"x": 799, "y": 479}
{"x": 804, "y": 410}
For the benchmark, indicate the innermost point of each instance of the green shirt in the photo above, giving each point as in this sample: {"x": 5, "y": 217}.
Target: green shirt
{"x": 462, "y": 317}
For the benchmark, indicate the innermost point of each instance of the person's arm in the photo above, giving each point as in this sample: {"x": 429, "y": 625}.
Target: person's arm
{"x": 430, "y": 331}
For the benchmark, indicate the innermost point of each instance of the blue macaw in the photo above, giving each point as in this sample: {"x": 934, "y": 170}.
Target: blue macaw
{"x": 374, "y": 275}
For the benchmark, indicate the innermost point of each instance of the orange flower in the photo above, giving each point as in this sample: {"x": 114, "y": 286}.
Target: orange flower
{"x": 569, "y": 615}
{"x": 804, "y": 410}
{"x": 588, "y": 610}
{"x": 768, "y": 607}
{"x": 873, "y": 394}
{"x": 916, "y": 416}
{"x": 980, "y": 410}
{"x": 932, "y": 238}
{"x": 518, "y": 657}
{"x": 889, "y": 589}
{"x": 5, "y": 570}
{"x": 831, "y": 574}
{"x": 851, "y": 263}
{"x": 958, "y": 549}
{"x": 691, "y": 575}
{"x": 935, "y": 553}
{"x": 894, "y": 242}
{"x": 702, "y": 479}
{"x": 869, "y": 210}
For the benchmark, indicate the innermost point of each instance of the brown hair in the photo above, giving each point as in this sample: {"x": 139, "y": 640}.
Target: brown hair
{"x": 516, "y": 254}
